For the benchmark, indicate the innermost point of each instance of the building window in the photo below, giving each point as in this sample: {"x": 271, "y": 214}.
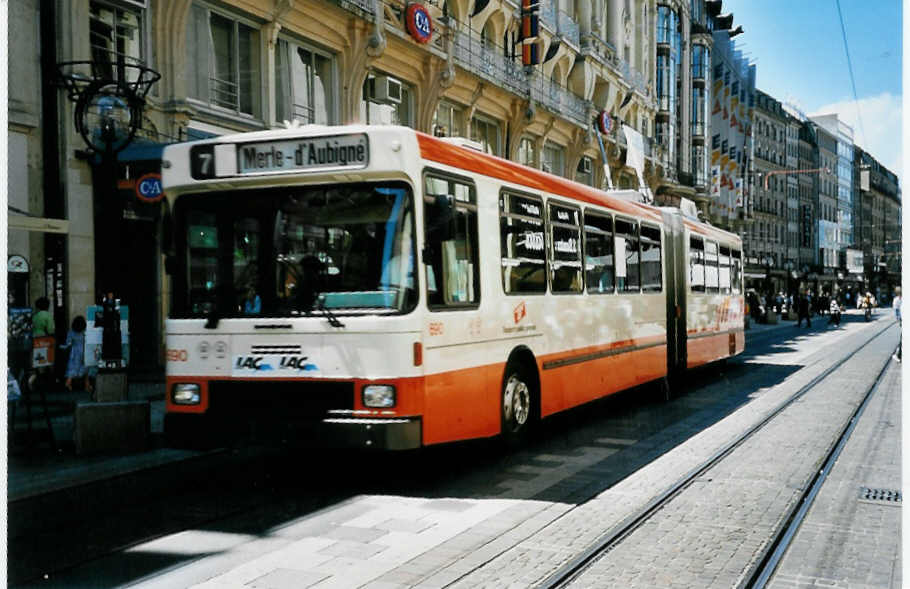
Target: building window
{"x": 486, "y": 132}
{"x": 116, "y": 39}
{"x": 553, "y": 159}
{"x": 699, "y": 61}
{"x": 527, "y": 152}
{"x": 386, "y": 101}
{"x": 447, "y": 122}
{"x": 303, "y": 80}
{"x": 699, "y": 111}
{"x": 699, "y": 165}
{"x": 585, "y": 171}
{"x": 222, "y": 61}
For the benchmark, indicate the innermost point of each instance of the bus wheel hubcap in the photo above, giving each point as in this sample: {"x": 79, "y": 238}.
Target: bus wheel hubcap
{"x": 516, "y": 402}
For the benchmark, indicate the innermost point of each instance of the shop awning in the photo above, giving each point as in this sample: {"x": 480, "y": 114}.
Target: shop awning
{"x": 43, "y": 224}
{"x": 140, "y": 150}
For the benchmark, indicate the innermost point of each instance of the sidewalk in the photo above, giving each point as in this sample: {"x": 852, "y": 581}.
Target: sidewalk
{"x": 36, "y": 466}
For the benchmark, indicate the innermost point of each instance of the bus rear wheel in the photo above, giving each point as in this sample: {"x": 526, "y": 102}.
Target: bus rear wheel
{"x": 516, "y": 406}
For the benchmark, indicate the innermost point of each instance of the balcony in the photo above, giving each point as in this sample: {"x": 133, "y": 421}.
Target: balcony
{"x": 558, "y": 100}
{"x": 603, "y": 51}
{"x": 559, "y": 22}
{"x": 489, "y": 63}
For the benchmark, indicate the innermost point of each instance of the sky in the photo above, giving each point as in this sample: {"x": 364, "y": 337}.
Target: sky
{"x": 798, "y": 50}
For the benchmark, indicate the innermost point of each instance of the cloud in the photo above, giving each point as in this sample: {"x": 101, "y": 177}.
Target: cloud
{"x": 881, "y": 131}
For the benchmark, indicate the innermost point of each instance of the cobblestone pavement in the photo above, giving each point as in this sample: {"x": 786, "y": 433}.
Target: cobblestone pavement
{"x": 715, "y": 530}
{"x": 851, "y": 538}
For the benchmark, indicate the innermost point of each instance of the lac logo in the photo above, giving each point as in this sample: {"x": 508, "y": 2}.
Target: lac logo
{"x": 419, "y": 23}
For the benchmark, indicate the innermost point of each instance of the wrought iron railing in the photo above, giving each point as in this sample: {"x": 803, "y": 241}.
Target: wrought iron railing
{"x": 559, "y": 100}
{"x": 224, "y": 93}
{"x": 488, "y": 62}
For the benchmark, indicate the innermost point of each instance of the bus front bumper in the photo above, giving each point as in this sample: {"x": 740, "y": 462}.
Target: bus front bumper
{"x": 187, "y": 430}
{"x": 379, "y": 434}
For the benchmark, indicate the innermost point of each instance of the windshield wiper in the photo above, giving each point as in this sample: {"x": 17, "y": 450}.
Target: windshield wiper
{"x": 332, "y": 319}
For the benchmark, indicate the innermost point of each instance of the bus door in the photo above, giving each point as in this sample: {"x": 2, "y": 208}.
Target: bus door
{"x": 450, "y": 257}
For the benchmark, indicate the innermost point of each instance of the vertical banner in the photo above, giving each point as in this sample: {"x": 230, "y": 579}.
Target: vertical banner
{"x": 635, "y": 157}
{"x": 715, "y": 181}
{"x": 739, "y": 192}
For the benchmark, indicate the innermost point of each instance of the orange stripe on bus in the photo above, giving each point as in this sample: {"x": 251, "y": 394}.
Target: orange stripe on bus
{"x": 712, "y": 348}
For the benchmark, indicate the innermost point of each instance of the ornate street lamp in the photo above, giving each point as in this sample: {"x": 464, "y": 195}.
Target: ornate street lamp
{"x": 109, "y": 100}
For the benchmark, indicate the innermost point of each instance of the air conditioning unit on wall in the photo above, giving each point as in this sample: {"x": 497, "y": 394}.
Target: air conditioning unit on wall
{"x": 584, "y": 166}
{"x": 385, "y": 90}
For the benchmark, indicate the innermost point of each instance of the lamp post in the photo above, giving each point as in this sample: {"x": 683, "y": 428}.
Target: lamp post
{"x": 109, "y": 101}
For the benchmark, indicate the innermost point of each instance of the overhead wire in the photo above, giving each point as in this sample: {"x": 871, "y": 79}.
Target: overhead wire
{"x": 843, "y": 30}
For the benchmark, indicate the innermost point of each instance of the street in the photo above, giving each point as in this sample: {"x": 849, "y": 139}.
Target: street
{"x": 471, "y": 514}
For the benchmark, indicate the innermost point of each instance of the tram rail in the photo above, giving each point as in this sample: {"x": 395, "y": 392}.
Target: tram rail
{"x": 574, "y": 568}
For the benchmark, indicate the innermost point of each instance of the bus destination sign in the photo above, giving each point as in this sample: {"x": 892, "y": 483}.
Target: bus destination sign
{"x": 340, "y": 151}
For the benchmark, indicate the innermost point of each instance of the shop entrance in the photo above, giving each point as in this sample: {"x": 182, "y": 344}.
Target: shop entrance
{"x": 140, "y": 291}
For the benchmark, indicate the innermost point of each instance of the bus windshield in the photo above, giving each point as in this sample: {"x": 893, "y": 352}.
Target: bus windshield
{"x": 290, "y": 251}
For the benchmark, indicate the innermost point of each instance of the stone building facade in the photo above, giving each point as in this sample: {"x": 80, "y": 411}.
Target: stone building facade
{"x": 239, "y": 65}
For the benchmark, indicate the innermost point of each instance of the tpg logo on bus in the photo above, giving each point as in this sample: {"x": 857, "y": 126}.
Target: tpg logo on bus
{"x": 303, "y": 154}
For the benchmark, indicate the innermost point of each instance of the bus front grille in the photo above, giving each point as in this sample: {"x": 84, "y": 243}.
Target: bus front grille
{"x": 291, "y": 400}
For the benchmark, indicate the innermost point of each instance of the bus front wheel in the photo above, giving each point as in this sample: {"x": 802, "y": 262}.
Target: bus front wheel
{"x": 517, "y": 399}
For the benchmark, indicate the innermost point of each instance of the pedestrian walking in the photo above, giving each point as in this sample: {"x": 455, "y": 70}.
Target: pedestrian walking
{"x": 75, "y": 365}
{"x": 803, "y": 310}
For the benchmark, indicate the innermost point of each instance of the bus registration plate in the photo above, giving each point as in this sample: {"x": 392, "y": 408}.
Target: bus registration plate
{"x": 310, "y": 153}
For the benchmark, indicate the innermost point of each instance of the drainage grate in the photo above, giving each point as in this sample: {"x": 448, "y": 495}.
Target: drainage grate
{"x": 881, "y": 496}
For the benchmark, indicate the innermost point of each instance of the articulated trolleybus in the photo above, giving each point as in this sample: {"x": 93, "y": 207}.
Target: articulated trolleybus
{"x": 374, "y": 286}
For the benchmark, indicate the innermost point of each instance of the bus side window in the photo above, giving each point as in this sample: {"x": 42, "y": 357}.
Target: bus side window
{"x": 627, "y": 256}
{"x": 696, "y": 264}
{"x": 599, "y": 267}
{"x": 565, "y": 254}
{"x": 450, "y": 235}
{"x": 523, "y": 244}
{"x": 651, "y": 274}
{"x": 736, "y": 272}
{"x": 711, "y": 284}
{"x": 724, "y": 270}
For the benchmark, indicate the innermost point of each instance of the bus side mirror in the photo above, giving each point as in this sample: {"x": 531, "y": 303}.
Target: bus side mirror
{"x": 441, "y": 219}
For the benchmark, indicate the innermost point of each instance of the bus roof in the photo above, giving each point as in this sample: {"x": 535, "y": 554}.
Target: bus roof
{"x": 446, "y": 152}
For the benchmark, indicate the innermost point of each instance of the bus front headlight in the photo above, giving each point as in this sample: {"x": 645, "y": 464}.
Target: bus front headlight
{"x": 185, "y": 393}
{"x": 379, "y": 395}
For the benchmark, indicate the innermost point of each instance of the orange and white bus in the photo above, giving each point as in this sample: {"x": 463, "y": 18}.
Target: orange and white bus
{"x": 378, "y": 287}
